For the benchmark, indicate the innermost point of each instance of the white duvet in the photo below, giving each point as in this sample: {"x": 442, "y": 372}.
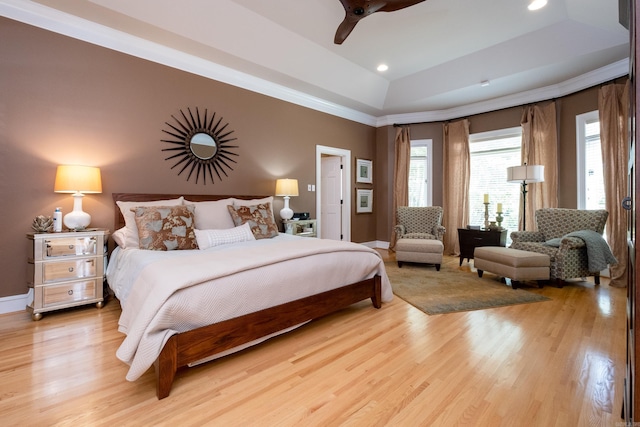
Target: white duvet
{"x": 164, "y": 293}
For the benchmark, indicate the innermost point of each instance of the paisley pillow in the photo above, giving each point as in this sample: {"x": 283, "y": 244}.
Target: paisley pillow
{"x": 165, "y": 228}
{"x": 259, "y": 217}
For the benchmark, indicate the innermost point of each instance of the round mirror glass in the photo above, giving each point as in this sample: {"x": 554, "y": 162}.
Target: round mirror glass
{"x": 203, "y": 146}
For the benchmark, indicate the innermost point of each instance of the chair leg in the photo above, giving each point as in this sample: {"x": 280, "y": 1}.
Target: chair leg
{"x": 480, "y": 273}
{"x": 437, "y": 267}
{"x": 399, "y": 264}
{"x": 596, "y": 279}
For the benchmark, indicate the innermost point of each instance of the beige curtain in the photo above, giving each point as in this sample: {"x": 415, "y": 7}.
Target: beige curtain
{"x": 540, "y": 147}
{"x": 613, "y": 101}
{"x": 401, "y": 176}
{"x": 455, "y": 192}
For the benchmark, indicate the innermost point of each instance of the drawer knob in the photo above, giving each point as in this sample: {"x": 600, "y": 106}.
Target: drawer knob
{"x": 70, "y": 291}
{"x": 70, "y": 269}
{"x": 70, "y": 246}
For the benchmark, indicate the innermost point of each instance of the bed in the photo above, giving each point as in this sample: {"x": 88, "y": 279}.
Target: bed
{"x": 184, "y": 307}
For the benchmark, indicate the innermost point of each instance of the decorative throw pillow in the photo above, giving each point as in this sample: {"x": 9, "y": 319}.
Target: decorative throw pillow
{"x": 210, "y": 238}
{"x": 259, "y": 218}
{"x": 131, "y": 237}
{"x": 165, "y": 228}
{"x": 254, "y": 202}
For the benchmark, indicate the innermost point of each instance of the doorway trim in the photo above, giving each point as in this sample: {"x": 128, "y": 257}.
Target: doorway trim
{"x": 346, "y": 200}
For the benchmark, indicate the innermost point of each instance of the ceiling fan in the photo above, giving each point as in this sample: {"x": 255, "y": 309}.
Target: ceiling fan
{"x": 357, "y": 9}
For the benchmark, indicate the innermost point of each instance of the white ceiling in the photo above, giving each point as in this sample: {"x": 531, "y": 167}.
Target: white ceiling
{"x": 438, "y": 51}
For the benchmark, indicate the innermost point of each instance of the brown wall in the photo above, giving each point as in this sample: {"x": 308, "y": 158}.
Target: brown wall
{"x": 64, "y": 101}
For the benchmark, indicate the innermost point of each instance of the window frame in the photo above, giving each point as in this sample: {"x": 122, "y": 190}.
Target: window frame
{"x": 581, "y": 185}
{"x": 428, "y": 144}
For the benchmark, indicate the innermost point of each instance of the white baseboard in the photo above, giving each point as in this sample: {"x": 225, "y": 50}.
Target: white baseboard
{"x": 15, "y": 303}
{"x": 376, "y": 244}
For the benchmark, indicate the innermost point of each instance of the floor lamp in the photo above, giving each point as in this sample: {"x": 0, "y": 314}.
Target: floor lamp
{"x": 525, "y": 174}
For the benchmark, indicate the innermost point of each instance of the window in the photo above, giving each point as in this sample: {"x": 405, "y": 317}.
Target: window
{"x": 420, "y": 171}
{"x": 589, "y": 162}
{"x": 491, "y": 154}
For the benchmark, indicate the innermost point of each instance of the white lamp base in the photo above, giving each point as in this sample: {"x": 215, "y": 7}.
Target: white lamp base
{"x": 286, "y": 212}
{"x": 77, "y": 219}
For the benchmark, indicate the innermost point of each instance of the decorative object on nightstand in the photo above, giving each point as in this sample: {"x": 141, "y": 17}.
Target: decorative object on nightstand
{"x": 77, "y": 180}
{"x": 303, "y": 227}
{"x": 486, "y": 211}
{"x": 524, "y": 175}
{"x": 42, "y": 224}
{"x": 286, "y": 188}
{"x": 499, "y": 217}
{"x": 66, "y": 269}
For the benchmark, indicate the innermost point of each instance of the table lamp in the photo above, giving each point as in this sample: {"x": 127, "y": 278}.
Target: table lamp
{"x": 286, "y": 188}
{"x": 77, "y": 180}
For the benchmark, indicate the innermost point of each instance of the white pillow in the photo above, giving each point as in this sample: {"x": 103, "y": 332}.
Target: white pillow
{"x": 131, "y": 238}
{"x": 253, "y": 202}
{"x": 119, "y": 236}
{"x": 213, "y": 215}
{"x": 210, "y": 238}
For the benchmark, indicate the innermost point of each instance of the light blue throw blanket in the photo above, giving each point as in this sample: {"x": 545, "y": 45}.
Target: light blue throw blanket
{"x": 598, "y": 250}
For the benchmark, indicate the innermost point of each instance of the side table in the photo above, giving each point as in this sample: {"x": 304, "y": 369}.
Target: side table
{"x": 469, "y": 240}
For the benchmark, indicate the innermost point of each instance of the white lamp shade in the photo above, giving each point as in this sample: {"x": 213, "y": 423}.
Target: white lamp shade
{"x": 525, "y": 174}
{"x": 77, "y": 180}
{"x": 287, "y": 187}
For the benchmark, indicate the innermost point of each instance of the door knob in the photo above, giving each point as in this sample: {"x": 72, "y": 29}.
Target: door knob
{"x": 627, "y": 203}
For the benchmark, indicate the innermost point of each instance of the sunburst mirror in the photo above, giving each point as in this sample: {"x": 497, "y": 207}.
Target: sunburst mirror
{"x": 202, "y": 145}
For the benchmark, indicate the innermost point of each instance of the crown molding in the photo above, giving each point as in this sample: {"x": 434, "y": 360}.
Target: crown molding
{"x": 576, "y": 84}
{"x": 72, "y": 26}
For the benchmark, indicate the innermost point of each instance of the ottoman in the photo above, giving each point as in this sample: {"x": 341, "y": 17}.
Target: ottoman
{"x": 513, "y": 264}
{"x": 427, "y": 251}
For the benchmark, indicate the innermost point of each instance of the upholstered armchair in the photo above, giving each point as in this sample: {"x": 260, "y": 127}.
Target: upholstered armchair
{"x": 419, "y": 223}
{"x": 568, "y": 254}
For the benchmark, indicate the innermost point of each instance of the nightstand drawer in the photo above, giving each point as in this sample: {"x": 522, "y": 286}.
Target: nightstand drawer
{"x": 68, "y": 293}
{"x": 69, "y": 270}
{"x": 70, "y": 246}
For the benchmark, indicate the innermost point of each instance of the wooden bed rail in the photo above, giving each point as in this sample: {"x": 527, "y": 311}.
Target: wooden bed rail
{"x": 192, "y": 346}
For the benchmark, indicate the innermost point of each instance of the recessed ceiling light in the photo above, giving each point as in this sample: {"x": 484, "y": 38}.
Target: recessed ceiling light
{"x": 383, "y": 67}
{"x": 537, "y": 4}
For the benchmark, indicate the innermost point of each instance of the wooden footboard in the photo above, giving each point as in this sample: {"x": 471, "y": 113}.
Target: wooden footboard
{"x": 195, "y": 345}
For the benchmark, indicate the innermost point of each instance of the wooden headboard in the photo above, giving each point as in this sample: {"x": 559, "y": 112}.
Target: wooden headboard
{"x": 145, "y": 197}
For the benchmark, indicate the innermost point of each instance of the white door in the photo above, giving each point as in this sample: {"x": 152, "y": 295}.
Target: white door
{"x": 331, "y": 196}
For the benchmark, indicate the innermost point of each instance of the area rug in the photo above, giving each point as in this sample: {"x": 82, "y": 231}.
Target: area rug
{"x": 453, "y": 289}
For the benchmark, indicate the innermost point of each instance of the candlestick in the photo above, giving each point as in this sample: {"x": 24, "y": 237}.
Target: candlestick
{"x": 486, "y": 212}
{"x": 499, "y": 218}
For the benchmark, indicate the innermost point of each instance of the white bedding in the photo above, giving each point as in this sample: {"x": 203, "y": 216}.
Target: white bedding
{"x": 164, "y": 293}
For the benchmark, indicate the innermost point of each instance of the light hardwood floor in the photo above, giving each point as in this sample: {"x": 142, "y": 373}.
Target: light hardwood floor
{"x": 554, "y": 363}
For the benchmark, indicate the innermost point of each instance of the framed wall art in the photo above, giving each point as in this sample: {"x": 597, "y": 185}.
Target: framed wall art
{"x": 364, "y": 201}
{"x": 364, "y": 171}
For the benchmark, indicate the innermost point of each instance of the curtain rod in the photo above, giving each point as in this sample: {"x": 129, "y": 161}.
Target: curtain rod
{"x": 399, "y": 125}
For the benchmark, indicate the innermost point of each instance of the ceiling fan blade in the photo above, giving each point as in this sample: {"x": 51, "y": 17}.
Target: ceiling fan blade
{"x": 344, "y": 29}
{"x": 392, "y": 5}
{"x": 355, "y": 10}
